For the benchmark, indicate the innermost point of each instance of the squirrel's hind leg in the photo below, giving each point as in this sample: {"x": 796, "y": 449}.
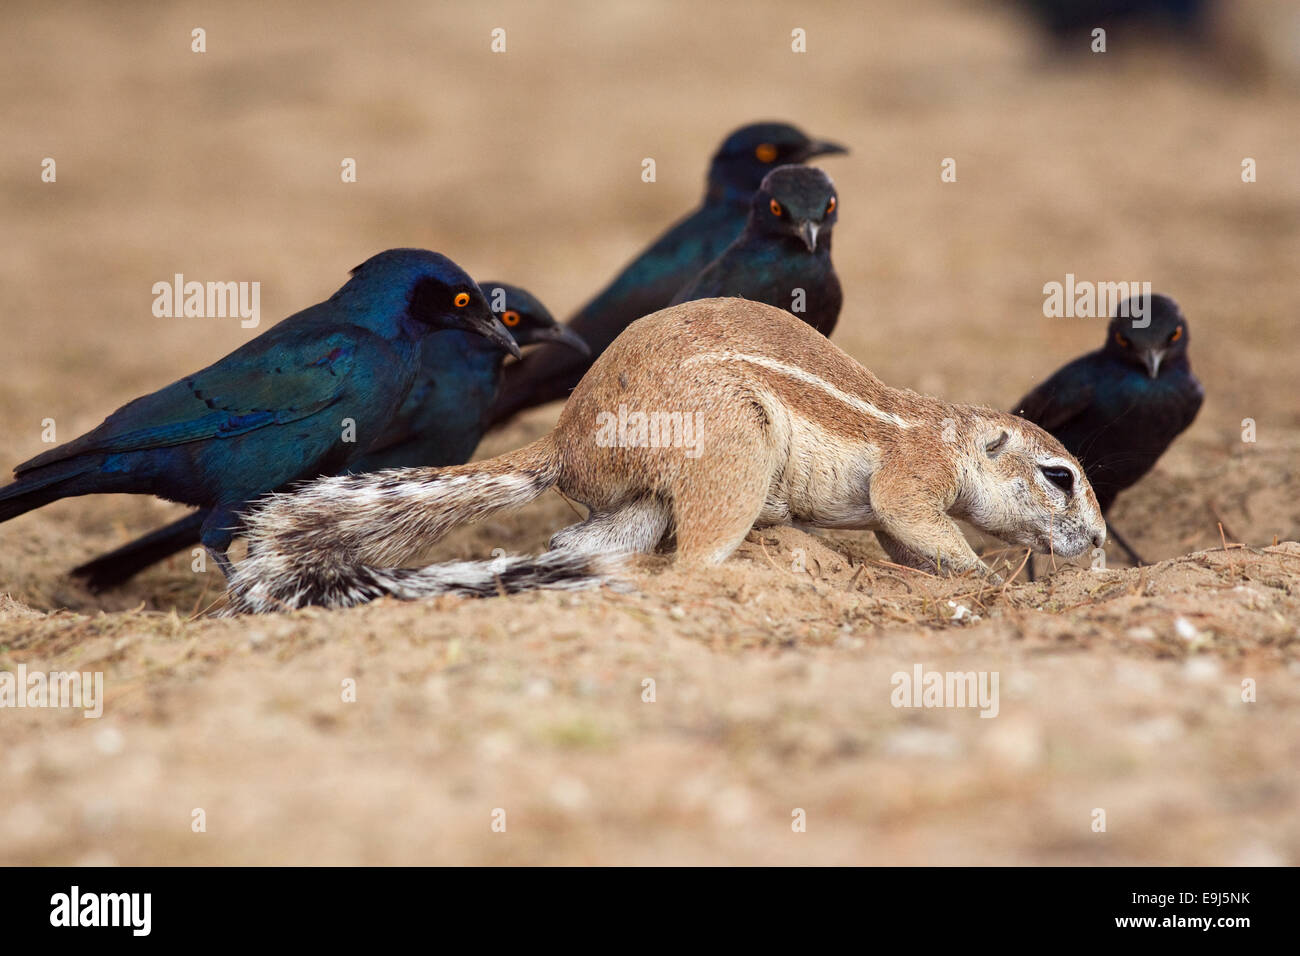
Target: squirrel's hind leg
{"x": 634, "y": 528}
{"x": 713, "y": 510}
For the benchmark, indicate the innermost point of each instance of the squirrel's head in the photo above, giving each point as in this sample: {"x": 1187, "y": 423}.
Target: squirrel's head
{"x": 1025, "y": 488}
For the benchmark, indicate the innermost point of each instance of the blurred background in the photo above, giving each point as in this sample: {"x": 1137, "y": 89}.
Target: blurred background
{"x": 526, "y": 166}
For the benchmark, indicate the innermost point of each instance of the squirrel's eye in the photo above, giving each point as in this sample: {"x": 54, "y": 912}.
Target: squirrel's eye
{"x": 510, "y": 318}
{"x": 1063, "y": 478}
{"x": 765, "y": 152}
{"x": 1123, "y": 342}
{"x": 775, "y": 207}
{"x": 1175, "y": 335}
{"x": 830, "y": 206}
{"x": 461, "y": 300}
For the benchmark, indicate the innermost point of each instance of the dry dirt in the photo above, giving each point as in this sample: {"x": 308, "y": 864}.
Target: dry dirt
{"x": 1120, "y": 690}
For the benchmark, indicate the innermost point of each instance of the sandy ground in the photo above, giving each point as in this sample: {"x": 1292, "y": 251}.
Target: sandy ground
{"x": 1120, "y": 690}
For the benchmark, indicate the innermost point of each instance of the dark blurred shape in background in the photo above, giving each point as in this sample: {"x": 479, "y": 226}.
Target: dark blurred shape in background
{"x": 1070, "y": 22}
{"x": 1252, "y": 41}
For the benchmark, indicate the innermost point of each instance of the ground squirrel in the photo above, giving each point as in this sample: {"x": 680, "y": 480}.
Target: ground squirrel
{"x": 705, "y": 418}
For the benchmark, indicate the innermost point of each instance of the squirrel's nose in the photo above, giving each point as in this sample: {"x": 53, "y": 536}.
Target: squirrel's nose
{"x": 1098, "y": 539}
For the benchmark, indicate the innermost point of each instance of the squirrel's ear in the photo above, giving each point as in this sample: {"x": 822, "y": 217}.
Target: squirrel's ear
{"x": 994, "y": 447}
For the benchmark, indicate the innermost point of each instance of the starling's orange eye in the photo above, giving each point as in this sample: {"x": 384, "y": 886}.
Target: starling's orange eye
{"x": 1176, "y": 335}
{"x": 765, "y": 152}
{"x": 830, "y": 206}
{"x": 461, "y": 300}
{"x": 510, "y": 318}
{"x": 775, "y": 207}
{"x": 1123, "y": 342}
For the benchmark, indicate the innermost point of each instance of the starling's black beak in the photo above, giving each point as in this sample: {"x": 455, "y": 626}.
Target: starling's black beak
{"x": 808, "y": 233}
{"x": 561, "y": 335}
{"x": 820, "y": 147}
{"x": 1152, "y": 358}
{"x": 490, "y": 328}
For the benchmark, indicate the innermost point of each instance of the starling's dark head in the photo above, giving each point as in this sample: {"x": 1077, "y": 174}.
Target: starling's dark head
{"x": 413, "y": 292}
{"x": 1149, "y": 333}
{"x": 753, "y": 151}
{"x": 528, "y": 321}
{"x": 440, "y": 294}
{"x": 797, "y": 201}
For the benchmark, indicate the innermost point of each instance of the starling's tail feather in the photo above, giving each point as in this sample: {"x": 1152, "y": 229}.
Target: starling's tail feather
{"x": 40, "y": 487}
{"x": 16, "y": 500}
{"x": 333, "y": 542}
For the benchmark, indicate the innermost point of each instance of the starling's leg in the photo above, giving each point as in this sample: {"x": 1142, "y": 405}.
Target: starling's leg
{"x": 119, "y": 566}
{"x": 218, "y": 532}
{"x": 1124, "y": 545}
{"x": 223, "y": 562}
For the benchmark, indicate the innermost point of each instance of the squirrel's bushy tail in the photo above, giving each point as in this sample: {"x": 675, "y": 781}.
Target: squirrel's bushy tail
{"x": 555, "y": 570}
{"x": 339, "y": 541}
